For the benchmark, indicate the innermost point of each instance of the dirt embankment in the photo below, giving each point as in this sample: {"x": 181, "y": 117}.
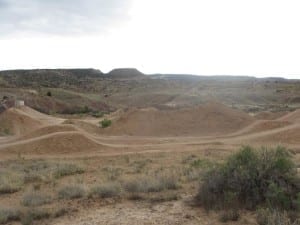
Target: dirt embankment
{"x": 205, "y": 120}
{"x": 13, "y": 121}
{"x": 23, "y": 120}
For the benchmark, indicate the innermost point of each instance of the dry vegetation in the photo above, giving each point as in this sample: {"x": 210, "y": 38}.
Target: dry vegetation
{"x": 40, "y": 187}
{"x": 48, "y": 189}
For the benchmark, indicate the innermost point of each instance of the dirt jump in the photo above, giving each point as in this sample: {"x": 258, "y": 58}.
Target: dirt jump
{"x": 143, "y": 130}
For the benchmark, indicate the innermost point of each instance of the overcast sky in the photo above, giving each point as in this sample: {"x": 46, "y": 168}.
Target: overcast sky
{"x": 206, "y": 37}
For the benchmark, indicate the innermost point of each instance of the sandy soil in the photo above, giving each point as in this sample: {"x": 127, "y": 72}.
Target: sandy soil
{"x": 140, "y": 213}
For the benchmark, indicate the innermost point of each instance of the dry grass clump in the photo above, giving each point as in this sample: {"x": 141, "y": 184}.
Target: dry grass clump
{"x": 71, "y": 192}
{"x": 155, "y": 183}
{"x": 164, "y": 197}
{"x": 30, "y": 215}
{"x": 274, "y": 217}
{"x": 139, "y": 165}
{"x": 229, "y": 215}
{"x": 67, "y": 170}
{"x": 10, "y": 182}
{"x": 112, "y": 173}
{"x": 108, "y": 190}
{"x": 36, "y": 199}
{"x": 8, "y": 215}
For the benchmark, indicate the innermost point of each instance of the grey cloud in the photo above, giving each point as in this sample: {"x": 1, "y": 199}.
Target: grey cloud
{"x": 60, "y": 17}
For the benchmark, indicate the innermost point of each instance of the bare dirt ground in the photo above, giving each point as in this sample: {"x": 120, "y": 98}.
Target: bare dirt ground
{"x": 162, "y": 140}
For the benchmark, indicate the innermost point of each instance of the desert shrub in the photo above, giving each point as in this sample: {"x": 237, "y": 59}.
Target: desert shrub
{"x": 35, "y": 199}
{"x": 67, "y": 170}
{"x": 58, "y": 212}
{"x": 201, "y": 163}
{"x": 33, "y": 177}
{"x": 10, "y": 182}
{"x": 31, "y": 170}
{"x": 156, "y": 183}
{"x": 71, "y": 192}
{"x": 169, "y": 181}
{"x": 75, "y": 110}
{"x": 165, "y": 197}
{"x": 139, "y": 165}
{"x": 97, "y": 114}
{"x": 250, "y": 178}
{"x": 112, "y": 173}
{"x": 274, "y": 217}
{"x": 229, "y": 215}
{"x": 105, "y": 123}
{"x": 5, "y": 132}
{"x": 107, "y": 190}
{"x": 192, "y": 174}
{"x": 7, "y": 215}
{"x": 29, "y": 215}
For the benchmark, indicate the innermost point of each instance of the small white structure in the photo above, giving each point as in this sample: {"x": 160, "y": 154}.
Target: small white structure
{"x": 19, "y": 103}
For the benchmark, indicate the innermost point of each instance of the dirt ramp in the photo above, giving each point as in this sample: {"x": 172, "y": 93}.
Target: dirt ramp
{"x": 206, "y": 120}
{"x": 292, "y": 117}
{"x": 269, "y": 115}
{"x": 23, "y": 120}
{"x": 58, "y": 143}
{"x": 86, "y": 126}
{"x": 263, "y": 125}
{"x": 48, "y": 130}
{"x": 15, "y": 122}
{"x": 283, "y": 136}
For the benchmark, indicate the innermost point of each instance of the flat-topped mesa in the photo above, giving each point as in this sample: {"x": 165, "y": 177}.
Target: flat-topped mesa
{"x": 126, "y": 73}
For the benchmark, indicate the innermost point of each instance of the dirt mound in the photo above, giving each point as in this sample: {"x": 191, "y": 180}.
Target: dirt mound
{"x": 269, "y": 115}
{"x": 14, "y": 121}
{"x": 58, "y": 143}
{"x": 286, "y": 136}
{"x": 292, "y": 117}
{"x": 20, "y": 121}
{"x": 263, "y": 125}
{"x": 48, "y": 130}
{"x": 208, "y": 119}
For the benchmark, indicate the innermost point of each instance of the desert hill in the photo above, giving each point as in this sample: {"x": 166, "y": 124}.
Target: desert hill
{"x": 73, "y": 89}
{"x": 164, "y": 132}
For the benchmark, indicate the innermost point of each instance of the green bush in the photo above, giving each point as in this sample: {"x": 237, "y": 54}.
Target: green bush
{"x": 250, "y": 178}
{"x": 105, "y": 123}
